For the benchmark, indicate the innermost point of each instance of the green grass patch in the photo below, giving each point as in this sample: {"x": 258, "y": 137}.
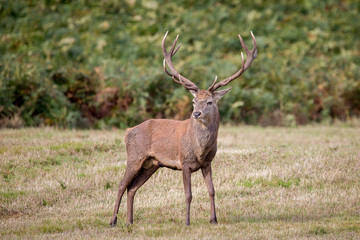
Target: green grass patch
{"x": 272, "y": 182}
{"x": 106, "y": 147}
{"x": 156, "y": 231}
{"x": 3, "y": 149}
{"x": 319, "y": 230}
{"x": 47, "y": 227}
{"x": 85, "y": 148}
{"x": 8, "y": 171}
{"x": 9, "y": 196}
{"x": 115, "y": 169}
{"x": 109, "y": 185}
{"x": 47, "y": 161}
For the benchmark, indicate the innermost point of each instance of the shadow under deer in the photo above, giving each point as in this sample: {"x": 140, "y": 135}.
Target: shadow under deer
{"x": 186, "y": 146}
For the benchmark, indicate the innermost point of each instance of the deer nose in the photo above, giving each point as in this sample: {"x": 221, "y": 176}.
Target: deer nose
{"x": 196, "y": 114}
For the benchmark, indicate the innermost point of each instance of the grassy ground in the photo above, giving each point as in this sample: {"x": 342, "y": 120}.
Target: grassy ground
{"x": 287, "y": 183}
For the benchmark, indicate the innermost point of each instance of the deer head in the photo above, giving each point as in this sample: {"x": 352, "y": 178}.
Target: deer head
{"x": 205, "y": 101}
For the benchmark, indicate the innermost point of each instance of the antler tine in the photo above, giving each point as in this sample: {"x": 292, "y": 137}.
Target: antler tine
{"x": 254, "y": 44}
{"x": 212, "y": 85}
{"x": 188, "y": 84}
{"x": 166, "y": 54}
{"x": 163, "y": 43}
{"x": 173, "y": 45}
{"x": 176, "y": 49}
{"x": 250, "y": 56}
{"x": 243, "y": 43}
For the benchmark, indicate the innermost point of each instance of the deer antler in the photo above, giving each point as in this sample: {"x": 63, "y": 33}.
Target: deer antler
{"x": 250, "y": 56}
{"x": 173, "y": 73}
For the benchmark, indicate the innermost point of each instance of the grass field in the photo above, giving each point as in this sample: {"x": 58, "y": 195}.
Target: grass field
{"x": 271, "y": 183}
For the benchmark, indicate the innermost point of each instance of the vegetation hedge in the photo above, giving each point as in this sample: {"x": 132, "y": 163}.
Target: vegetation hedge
{"x": 91, "y": 63}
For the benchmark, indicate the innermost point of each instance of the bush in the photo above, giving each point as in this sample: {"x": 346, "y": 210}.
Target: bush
{"x": 99, "y": 63}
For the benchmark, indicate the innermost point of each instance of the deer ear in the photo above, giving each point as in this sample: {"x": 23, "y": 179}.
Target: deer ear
{"x": 219, "y": 94}
{"x": 194, "y": 93}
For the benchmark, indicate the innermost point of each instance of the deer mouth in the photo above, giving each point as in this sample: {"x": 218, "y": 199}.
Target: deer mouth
{"x": 201, "y": 119}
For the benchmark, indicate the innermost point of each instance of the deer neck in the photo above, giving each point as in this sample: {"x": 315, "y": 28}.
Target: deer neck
{"x": 203, "y": 134}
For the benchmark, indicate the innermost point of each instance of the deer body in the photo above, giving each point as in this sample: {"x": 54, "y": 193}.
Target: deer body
{"x": 187, "y": 145}
{"x": 168, "y": 150}
{"x": 173, "y": 150}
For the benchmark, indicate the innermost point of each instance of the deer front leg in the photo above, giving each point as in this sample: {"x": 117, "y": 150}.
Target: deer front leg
{"x": 188, "y": 195}
{"x": 206, "y": 171}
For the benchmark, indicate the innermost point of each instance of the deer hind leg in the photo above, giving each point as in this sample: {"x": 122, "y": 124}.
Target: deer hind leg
{"x": 138, "y": 181}
{"x": 129, "y": 175}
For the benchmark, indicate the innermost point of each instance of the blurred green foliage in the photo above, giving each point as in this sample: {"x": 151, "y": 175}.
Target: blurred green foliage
{"x": 91, "y": 63}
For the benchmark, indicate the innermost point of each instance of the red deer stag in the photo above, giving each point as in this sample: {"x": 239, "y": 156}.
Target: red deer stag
{"x": 187, "y": 145}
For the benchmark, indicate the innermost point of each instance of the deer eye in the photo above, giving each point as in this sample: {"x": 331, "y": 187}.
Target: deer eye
{"x": 209, "y": 103}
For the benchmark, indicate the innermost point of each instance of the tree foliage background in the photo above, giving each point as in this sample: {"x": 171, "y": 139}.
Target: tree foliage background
{"x": 92, "y": 63}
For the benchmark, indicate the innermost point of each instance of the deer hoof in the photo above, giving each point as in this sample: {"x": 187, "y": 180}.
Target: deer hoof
{"x": 113, "y": 221}
{"x": 213, "y": 221}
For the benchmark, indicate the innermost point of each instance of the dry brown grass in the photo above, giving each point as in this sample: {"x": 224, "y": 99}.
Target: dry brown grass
{"x": 271, "y": 183}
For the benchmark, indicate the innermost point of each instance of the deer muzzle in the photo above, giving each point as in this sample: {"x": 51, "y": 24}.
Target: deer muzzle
{"x": 196, "y": 114}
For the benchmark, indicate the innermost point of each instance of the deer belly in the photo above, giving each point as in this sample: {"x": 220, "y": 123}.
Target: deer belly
{"x": 166, "y": 161}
